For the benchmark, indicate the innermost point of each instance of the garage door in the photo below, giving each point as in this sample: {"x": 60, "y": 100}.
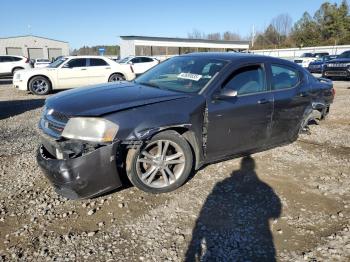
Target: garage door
{"x": 34, "y": 53}
{"x": 54, "y": 52}
{"x": 14, "y": 51}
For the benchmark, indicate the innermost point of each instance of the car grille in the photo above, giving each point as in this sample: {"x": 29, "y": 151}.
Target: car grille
{"x": 336, "y": 65}
{"x": 314, "y": 66}
{"x": 336, "y": 73}
{"x": 53, "y": 122}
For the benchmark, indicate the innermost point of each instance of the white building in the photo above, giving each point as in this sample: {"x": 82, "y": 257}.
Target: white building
{"x": 164, "y": 47}
{"x": 33, "y": 47}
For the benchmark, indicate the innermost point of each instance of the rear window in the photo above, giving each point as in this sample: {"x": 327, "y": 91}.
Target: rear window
{"x": 97, "y": 62}
{"x": 79, "y": 62}
{"x": 16, "y": 58}
{"x": 284, "y": 77}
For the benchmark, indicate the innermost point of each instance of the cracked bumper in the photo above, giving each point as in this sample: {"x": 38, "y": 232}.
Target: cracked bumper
{"x": 82, "y": 177}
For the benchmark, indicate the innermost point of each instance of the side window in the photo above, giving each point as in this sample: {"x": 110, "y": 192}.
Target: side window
{"x": 79, "y": 62}
{"x": 16, "y": 59}
{"x": 97, "y": 62}
{"x": 146, "y": 59}
{"x": 136, "y": 60}
{"x": 6, "y": 59}
{"x": 284, "y": 77}
{"x": 247, "y": 80}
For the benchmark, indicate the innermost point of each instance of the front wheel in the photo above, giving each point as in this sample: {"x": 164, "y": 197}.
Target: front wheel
{"x": 161, "y": 165}
{"x": 40, "y": 85}
{"x": 116, "y": 77}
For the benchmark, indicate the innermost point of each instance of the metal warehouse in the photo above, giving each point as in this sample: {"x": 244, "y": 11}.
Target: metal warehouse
{"x": 166, "y": 47}
{"x": 33, "y": 47}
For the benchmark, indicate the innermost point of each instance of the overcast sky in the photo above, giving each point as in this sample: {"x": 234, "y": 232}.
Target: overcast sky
{"x": 84, "y": 22}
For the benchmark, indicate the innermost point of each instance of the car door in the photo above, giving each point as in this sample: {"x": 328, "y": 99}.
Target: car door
{"x": 292, "y": 97}
{"x": 137, "y": 65}
{"x": 240, "y": 123}
{"x": 73, "y": 73}
{"x": 6, "y": 65}
{"x": 98, "y": 71}
{"x": 147, "y": 63}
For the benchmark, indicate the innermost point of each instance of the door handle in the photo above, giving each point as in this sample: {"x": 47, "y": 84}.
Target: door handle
{"x": 83, "y": 69}
{"x": 263, "y": 101}
{"x": 107, "y": 68}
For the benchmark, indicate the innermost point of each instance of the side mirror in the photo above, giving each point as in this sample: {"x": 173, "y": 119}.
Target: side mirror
{"x": 225, "y": 93}
{"x": 66, "y": 66}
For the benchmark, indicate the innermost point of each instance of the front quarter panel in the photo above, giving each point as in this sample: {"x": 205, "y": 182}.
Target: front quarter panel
{"x": 141, "y": 123}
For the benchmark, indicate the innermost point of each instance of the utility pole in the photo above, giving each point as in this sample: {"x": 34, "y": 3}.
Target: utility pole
{"x": 253, "y": 35}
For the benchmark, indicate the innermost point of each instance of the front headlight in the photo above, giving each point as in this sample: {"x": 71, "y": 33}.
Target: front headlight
{"x": 90, "y": 129}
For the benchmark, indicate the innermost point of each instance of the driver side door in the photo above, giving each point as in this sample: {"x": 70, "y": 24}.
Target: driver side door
{"x": 240, "y": 123}
{"x": 73, "y": 73}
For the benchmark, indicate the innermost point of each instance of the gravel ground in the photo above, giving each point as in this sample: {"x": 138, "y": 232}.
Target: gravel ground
{"x": 291, "y": 203}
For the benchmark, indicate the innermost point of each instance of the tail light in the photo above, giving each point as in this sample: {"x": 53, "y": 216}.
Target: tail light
{"x": 132, "y": 69}
{"x": 27, "y": 61}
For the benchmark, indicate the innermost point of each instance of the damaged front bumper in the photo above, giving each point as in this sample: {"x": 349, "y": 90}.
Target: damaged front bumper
{"x": 83, "y": 176}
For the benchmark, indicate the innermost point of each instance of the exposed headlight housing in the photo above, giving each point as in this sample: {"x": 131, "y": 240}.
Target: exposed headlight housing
{"x": 90, "y": 129}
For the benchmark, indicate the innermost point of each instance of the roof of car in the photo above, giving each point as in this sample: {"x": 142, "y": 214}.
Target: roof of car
{"x": 241, "y": 56}
{"x": 86, "y": 56}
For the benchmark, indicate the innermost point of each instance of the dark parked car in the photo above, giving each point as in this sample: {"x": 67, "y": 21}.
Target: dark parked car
{"x": 317, "y": 66}
{"x": 339, "y": 67}
{"x": 186, "y": 112}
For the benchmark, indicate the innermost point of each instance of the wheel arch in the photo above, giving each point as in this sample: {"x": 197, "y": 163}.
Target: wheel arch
{"x": 16, "y": 67}
{"x": 120, "y": 73}
{"x": 185, "y": 131}
{"x": 48, "y": 78}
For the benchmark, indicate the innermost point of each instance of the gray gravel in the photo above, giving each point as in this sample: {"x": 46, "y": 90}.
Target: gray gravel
{"x": 293, "y": 205}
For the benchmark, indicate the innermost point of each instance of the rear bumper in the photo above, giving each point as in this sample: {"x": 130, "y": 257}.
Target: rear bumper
{"x": 81, "y": 177}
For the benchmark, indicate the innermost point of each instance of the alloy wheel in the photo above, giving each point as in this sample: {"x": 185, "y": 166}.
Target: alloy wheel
{"x": 160, "y": 163}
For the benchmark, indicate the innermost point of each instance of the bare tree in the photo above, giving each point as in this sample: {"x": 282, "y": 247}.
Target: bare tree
{"x": 214, "y": 36}
{"x": 282, "y": 24}
{"x": 196, "y": 34}
{"x": 231, "y": 36}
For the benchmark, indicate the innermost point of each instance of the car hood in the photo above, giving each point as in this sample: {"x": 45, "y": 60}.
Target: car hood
{"x": 107, "y": 98}
{"x": 339, "y": 60}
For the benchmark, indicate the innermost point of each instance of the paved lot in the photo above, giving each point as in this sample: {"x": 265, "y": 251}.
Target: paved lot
{"x": 292, "y": 204}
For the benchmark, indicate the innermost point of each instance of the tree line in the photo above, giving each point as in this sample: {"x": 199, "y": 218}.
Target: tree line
{"x": 330, "y": 25}
{"x": 112, "y": 50}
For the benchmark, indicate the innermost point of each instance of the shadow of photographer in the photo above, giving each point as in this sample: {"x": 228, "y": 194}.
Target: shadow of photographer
{"x": 233, "y": 224}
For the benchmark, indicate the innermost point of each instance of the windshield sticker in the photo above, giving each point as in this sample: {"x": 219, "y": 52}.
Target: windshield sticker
{"x": 190, "y": 76}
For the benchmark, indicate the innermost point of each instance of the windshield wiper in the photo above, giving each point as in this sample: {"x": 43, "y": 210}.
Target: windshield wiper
{"x": 148, "y": 84}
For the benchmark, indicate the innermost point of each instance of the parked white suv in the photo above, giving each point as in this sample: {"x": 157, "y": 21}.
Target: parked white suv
{"x": 140, "y": 64}
{"x": 9, "y": 64}
{"x": 305, "y": 59}
{"x": 71, "y": 72}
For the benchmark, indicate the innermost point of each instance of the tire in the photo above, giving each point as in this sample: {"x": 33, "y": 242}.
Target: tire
{"x": 147, "y": 169}
{"x": 40, "y": 85}
{"x": 116, "y": 77}
{"x": 16, "y": 69}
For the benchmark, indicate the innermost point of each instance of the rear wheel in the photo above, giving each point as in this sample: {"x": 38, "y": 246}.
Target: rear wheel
{"x": 162, "y": 165}
{"x": 40, "y": 85}
{"x": 116, "y": 77}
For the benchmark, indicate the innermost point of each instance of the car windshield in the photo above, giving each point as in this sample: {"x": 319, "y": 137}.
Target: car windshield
{"x": 344, "y": 55}
{"x": 307, "y": 55}
{"x": 124, "y": 60}
{"x": 182, "y": 74}
{"x": 58, "y": 62}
